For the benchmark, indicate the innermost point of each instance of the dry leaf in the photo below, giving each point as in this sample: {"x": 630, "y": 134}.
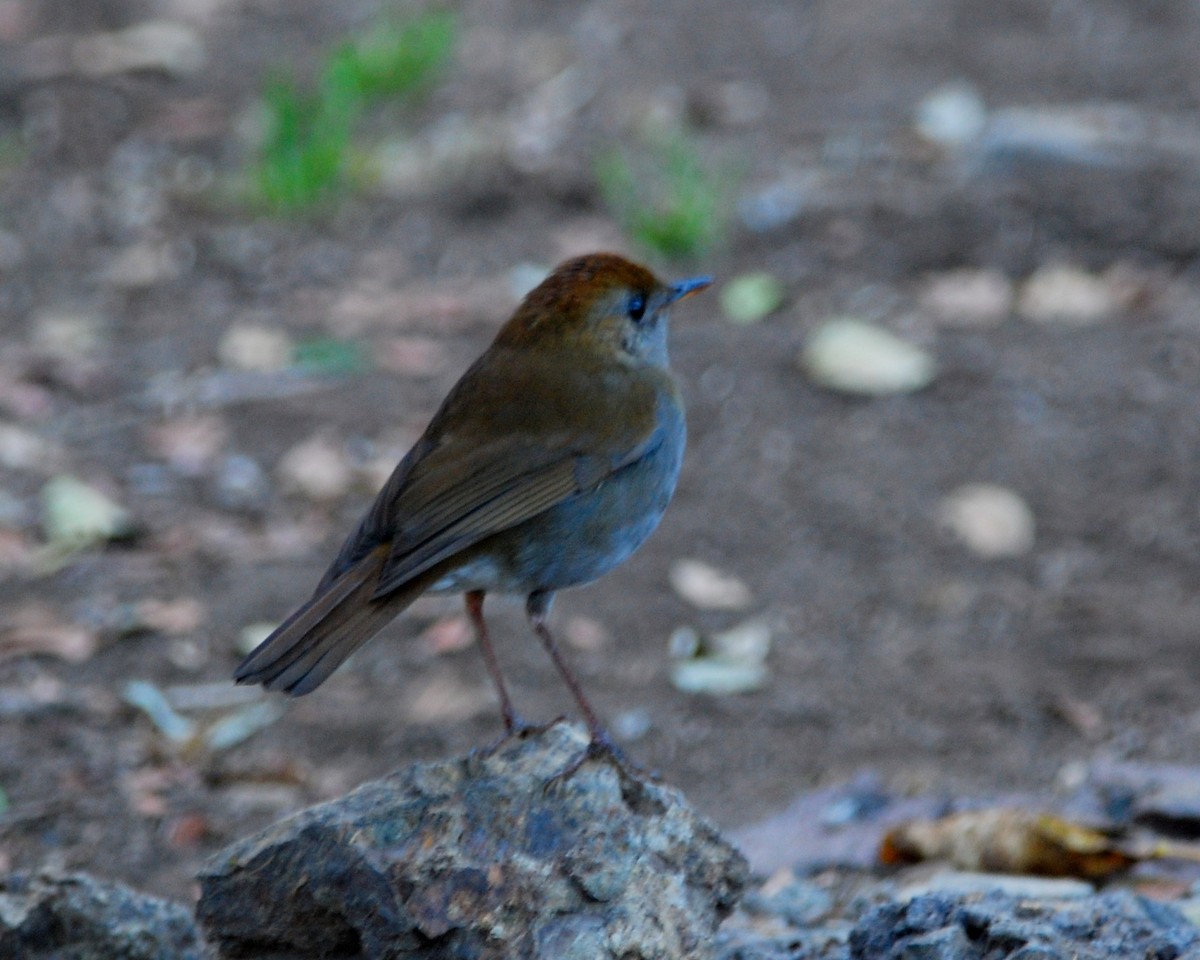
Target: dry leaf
{"x": 447, "y": 699}
{"x": 172, "y": 617}
{"x": 35, "y": 629}
{"x": 448, "y": 635}
{"x": 413, "y": 356}
{"x": 1003, "y": 840}
{"x": 189, "y": 445}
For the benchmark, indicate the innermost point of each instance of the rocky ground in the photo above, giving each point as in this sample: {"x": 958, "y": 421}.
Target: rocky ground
{"x": 987, "y": 584}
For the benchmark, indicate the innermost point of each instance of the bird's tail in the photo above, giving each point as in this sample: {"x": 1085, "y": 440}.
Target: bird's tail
{"x": 315, "y": 640}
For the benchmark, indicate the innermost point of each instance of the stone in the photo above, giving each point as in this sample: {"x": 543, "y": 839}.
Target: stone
{"x": 484, "y": 856}
{"x": 79, "y": 917}
{"x": 1107, "y": 927}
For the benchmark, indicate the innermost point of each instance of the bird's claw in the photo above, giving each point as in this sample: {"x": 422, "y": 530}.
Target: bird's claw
{"x": 601, "y": 747}
{"x": 517, "y": 727}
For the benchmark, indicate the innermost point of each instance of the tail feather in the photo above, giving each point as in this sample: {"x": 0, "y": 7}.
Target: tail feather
{"x": 315, "y": 640}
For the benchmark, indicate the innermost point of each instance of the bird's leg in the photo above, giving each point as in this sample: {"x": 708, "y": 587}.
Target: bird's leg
{"x": 514, "y": 725}
{"x": 600, "y": 744}
{"x": 474, "y": 601}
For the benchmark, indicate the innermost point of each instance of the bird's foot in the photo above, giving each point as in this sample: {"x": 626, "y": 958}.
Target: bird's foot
{"x": 517, "y": 727}
{"x": 601, "y": 747}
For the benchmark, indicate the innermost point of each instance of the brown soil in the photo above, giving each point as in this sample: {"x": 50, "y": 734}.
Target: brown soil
{"x": 894, "y": 648}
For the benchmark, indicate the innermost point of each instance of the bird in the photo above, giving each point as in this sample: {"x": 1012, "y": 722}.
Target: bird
{"x": 548, "y": 464}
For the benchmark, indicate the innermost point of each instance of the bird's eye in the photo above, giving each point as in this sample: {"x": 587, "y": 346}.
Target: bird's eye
{"x": 637, "y": 307}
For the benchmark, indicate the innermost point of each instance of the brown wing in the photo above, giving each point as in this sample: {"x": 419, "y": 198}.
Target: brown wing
{"x": 497, "y": 454}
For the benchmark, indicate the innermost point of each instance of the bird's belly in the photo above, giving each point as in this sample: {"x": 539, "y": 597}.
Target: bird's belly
{"x": 578, "y": 540}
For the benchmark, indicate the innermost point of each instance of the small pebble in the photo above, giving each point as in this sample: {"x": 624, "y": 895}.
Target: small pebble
{"x": 140, "y": 267}
{"x": 316, "y": 469}
{"x": 992, "y": 521}
{"x": 252, "y": 634}
{"x": 751, "y": 297}
{"x": 968, "y": 297}
{"x": 707, "y": 587}
{"x": 22, "y": 449}
{"x": 631, "y": 725}
{"x": 778, "y": 204}
{"x": 252, "y": 346}
{"x": 951, "y": 115}
{"x": 853, "y": 356}
{"x": 241, "y": 484}
{"x": 1067, "y": 295}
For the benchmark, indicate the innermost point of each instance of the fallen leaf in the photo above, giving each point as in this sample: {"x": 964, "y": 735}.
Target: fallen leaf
{"x": 448, "y": 635}
{"x": 76, "y": 515}
{"x": 446, "y": 699}
{"x": 190, "y": 445}
{"x": 188, "y": 831}
{"x": 35, "y": 629}
{"x": 1005, "y": 840}
{"x": 172, "y": 617}
{"x": 584, "y": 633}
{"x": 414, "y": 356}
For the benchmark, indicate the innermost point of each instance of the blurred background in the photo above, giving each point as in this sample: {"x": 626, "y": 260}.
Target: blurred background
{"x": 938, "y": 519}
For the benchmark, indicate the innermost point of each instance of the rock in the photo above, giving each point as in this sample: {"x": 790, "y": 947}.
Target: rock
{"x": 480, "y": 856}
{"x": 78, "y": 917}
{"x": 943, "y": 927}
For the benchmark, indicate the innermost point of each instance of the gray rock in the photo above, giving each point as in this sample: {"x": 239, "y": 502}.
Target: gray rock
{"x": 939, "y": 927}
{"x": 77, "y": 917}
{"x": 480, "y": 857}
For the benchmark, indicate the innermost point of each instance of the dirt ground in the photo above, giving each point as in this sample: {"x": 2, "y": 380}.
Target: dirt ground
{"x": 894, "y": 647}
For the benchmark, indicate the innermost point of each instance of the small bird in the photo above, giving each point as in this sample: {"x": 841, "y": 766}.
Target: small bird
{"x": 546, "y": 466}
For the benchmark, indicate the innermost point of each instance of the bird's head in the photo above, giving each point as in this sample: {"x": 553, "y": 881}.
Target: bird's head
{"x": 600, "y": 302}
